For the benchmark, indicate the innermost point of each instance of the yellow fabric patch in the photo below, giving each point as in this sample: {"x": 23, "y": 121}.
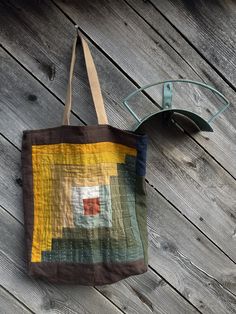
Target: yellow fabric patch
{"x": 80, "y": 164}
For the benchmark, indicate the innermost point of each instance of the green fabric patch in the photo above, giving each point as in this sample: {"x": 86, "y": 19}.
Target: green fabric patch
{"x": 125, "y": 241}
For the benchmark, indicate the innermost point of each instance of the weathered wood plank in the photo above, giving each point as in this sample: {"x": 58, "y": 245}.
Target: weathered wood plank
{"x": 115, "y": 28}
{"x": 224, "y": 129}
{"x": 210, "y": 26}
{"x": 13, "y": 231}
{"x": 21, "y": 108}
{"x": 22, "y": 98}
{"x": 45, "y": 52}
{"x": 178, "y": 251}
{"x": 145, "y": 294}
{"x": 9, "y": 304}
{"x": 155, "y": 161}
{"x": 170, "y": 254}
{"x": 146, "y": 57}
{"x": 43, "y": 298}
{"x": 202, "y": 205}
{"x": 193, "y": 182}
{"x": 189, "y": 245}
{"x": 30, "y": 99}
{"x": 58, "y": 300}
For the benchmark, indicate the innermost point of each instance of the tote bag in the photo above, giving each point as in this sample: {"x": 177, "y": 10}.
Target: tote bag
{"x": 84, "y": 196}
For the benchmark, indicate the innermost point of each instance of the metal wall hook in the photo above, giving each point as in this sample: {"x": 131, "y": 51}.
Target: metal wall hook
{"x": 167, "y": 95}
{"x": 203, "y": 125}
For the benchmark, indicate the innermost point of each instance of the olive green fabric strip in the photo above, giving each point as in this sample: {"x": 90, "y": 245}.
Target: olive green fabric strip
{"x": 133, "y": 245}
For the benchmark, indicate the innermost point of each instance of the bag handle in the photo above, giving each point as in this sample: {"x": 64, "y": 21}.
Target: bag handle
{"x": 93, "y": 82}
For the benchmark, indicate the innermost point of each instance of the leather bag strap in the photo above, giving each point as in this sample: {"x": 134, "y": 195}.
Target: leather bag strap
{"x": 93, "y": 82}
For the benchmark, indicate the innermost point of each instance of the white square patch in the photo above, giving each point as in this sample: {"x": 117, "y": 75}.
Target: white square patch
{"x": 80, "y": 195}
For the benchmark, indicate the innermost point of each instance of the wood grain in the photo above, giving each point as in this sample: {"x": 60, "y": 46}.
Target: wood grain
{"x": 216, "y": 216}
{"x": 146, "y": 294}
{"x": 146, "y": 57}
{"x": 221, "y": 143}
{"x": 112, "y": 26}
{"x": 41, "y": 297}
{"x": 192, "y": 181}
{"x": 13, "y": 267}
{"x": 178, "y": 251}
{"x": 77, "y": 299}
{"x": 25, "y": 103}
{"x": 46, "y": 50}
{"x": 10, "y": 305}
{"x": 210, "y": 26}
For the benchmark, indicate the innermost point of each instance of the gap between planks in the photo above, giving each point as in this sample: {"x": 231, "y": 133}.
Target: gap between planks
{"x": 12, "y": 303}
{"x": 137, "y": 85}
{"x": 218, "y": 71}
{"x": 201, "y": 55}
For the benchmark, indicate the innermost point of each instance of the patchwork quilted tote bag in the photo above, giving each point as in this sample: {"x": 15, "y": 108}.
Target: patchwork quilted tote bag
{"x": 84, "y": 196}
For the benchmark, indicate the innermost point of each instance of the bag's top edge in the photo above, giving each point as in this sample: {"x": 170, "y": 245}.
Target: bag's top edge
{"x": 85, "y": 127}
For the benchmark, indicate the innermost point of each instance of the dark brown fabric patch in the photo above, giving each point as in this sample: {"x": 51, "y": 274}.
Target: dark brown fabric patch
{"x": 86, "y": 274}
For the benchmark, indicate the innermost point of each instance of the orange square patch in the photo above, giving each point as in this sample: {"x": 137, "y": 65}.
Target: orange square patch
{"x": 91, "y": 206}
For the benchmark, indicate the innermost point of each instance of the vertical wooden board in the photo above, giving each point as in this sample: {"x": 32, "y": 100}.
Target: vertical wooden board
{"x": 210, "y": 26}
{"x": 221, "y": 143}
{"x": 9, "y": 305}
